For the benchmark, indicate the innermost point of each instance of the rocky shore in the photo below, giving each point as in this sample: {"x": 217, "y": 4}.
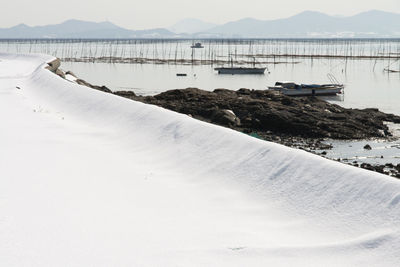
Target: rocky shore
{"x": 303, "y": 122}
{"x": 300, "y": 122}
{"x": 268, "y": 113}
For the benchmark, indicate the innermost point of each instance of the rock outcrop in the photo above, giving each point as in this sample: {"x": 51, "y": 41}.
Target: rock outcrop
{"x": 266, "y": 112}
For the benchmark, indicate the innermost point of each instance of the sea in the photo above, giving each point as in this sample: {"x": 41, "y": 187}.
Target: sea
{"x": 369, "y": 69}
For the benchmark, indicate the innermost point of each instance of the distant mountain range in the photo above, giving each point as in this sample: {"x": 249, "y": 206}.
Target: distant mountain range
{"x": 81, "y": 29}
{"x": 311, "y": 24}
{"x": 308, "y": 24}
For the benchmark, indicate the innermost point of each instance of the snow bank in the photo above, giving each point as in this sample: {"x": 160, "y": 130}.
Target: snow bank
{"x": 92, "y": 179}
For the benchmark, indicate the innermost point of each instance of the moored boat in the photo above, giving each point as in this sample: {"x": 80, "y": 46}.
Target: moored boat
{"x": 197, "y": 45}
{"x": 239, "y": 70}
{"x": 293, "y": 89}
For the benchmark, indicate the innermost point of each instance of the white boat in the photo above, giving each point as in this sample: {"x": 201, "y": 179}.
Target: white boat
{"x": 293, "y": 89}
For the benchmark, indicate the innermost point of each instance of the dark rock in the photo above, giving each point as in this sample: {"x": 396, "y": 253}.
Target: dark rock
{"x": 367, "y": 166}
{"x": 100, "y": 88}
{"x": 367, "y": 147}
{"x": 60, "y": 73}
{"x": 379, "y": 168}
{"x": 225, "y": 117}
{"x": 70, "y": 73}
{"x": 127, "y": 94}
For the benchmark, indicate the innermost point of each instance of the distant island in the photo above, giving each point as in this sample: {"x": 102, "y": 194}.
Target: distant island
{"x": 308, "y": 24}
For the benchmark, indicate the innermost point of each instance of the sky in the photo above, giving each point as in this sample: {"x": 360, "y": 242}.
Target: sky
{"x": 146, "y": 14}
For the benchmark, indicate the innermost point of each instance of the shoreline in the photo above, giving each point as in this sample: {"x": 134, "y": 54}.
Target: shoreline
{"x": 309, "y": 140}
{"x": 89, "y": 172}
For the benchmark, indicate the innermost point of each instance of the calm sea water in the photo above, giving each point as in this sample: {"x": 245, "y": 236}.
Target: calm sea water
{"x": 213, "y": 49}
{"x": 366, "y": 82}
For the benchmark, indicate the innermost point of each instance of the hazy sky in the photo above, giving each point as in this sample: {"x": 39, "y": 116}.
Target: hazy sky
{"x": 134, "y": 14}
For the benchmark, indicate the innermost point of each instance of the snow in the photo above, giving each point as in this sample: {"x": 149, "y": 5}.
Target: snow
{"x": 92, "y": 179}
{"x": 70, "y": 78}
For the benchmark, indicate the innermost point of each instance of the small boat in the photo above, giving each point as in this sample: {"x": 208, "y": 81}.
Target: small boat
{"x": 197, "y": 45}
{"x": 293, "y": 89}
{"x": 391, "y": 71}
{"x": 240, "y": 70}
{"x": 181, "y": 74}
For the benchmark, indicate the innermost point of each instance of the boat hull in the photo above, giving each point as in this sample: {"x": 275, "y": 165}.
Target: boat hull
{"x": 240, "y": 70}
{"x": 309, "y": 91}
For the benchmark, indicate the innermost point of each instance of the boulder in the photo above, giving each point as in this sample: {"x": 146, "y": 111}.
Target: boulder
{"x": 225, "y": 117}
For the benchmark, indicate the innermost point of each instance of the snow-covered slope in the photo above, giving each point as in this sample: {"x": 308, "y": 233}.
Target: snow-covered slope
{"x": 92, "y": 179}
